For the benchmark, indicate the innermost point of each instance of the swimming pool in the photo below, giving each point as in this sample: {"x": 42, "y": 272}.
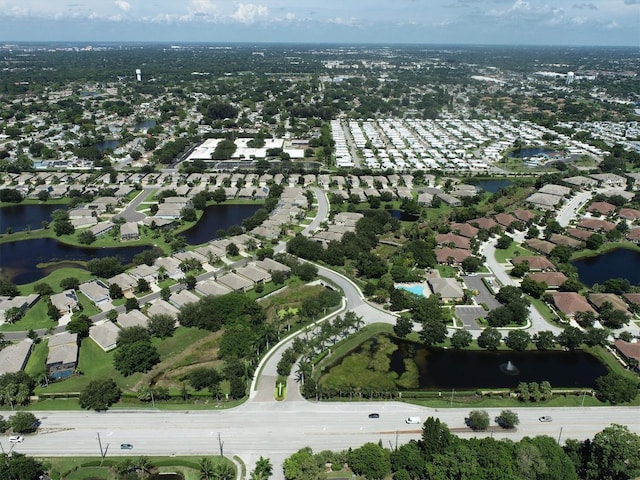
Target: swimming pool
{"x": 415, "y": 289}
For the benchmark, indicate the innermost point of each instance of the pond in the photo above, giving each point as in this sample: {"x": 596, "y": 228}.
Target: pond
{"x": 215, "y": 218}
{"x": 447, "y": 369}
{"x": 22, "y": 217}
{"x": 20, "y": 260}
{"x": 533, "y": 152}
{"x": 107, "y": 144}
{"x": 493, "y": 185}
{"x": 147, "y": 124}
{"x": 619, "y": 263}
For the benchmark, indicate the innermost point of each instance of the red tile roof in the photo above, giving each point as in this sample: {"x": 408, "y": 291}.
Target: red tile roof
{"x": 552, "y": 279}
{"x": 604, "y": 208}
{"x": 451, "y": 238}
{"x": 629, "y": 350}
{"x": 535, "y": 263}
{"x": 457, "y": 254}
{"x": 465, "y": 229}
{"x": 570, "y": 303}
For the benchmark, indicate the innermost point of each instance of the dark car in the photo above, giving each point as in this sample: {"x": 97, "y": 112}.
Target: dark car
{"x": 374, "y": 415}
{"x": 126, "y": 446}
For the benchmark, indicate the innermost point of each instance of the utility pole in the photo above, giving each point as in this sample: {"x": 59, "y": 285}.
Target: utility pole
{"x": 451, "y": 401}
{"x": 559, "y": 435}
{"x": 221, "y": 445}
{"x": 103, "y": 453}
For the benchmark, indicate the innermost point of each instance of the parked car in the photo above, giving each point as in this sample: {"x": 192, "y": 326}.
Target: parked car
{"x": 126, "y": 446}
{"x": 545, "y": 419}
{"x": 374, "y": 415}
{"x": 16, "y": 439}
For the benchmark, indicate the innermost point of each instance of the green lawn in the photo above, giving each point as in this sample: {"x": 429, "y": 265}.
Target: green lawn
{"x": 514, "y": 250}
{"x": 88, "y": 307}
{"x": 36, "y": 365}
{"x": 81, "y": 468}
{"x": 53, "y": 279}
{"x": 35, "y": 318}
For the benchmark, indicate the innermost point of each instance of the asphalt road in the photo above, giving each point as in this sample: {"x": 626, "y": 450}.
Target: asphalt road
{"x": 276, "y": 429}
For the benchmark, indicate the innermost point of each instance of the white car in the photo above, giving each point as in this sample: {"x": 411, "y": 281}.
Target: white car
{"x": 546, "y": 418}
{"x": 16, "y": 439}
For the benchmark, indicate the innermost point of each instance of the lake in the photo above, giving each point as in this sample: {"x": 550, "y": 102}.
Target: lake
{"x": 20, "y": 217}
{"x": 493, "y": 185}
{"x": 20, "y": 260}
{"x": 619, "y": 263}
{"x": 216, "y": 217}
{"x": 446, "y": 369}
{"x": 107, "y": 144}
{"x": 147, "y": 124}
{"x": 533, "y": 152}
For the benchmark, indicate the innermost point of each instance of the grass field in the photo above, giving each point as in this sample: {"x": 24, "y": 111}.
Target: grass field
{"x": 514, "y": 250}
{"x": 35, "y": 318}
{"x": 82, "y": 468}
{"x": 53, "y": 279}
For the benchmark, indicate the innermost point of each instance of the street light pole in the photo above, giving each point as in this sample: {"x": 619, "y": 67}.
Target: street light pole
{"x": 451, "y": 401}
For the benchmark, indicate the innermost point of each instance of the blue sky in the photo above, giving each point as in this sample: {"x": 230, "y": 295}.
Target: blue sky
{"x": 528, "y": 22}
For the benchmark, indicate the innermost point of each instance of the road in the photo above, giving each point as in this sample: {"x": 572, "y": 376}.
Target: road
{"x": 276, "y": 429}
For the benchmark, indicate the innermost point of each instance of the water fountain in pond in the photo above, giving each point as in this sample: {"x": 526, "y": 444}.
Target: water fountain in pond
{"x": 509, "y": 368}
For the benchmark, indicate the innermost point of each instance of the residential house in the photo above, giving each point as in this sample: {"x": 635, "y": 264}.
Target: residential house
{"x": 65, "y": 301}
{"x": 256, "y": 275}
{"x": 571, "y": 303}
{"x": 465, "y": 230}
{"x": 133, "y": 318}
{"x": 451, "y": 256}
{"x": 162, "y": 307}
{"x": 105, "y": 334}
{"x": 14, "y": 357}
{"x": 126, "y": 283}
{"x": 448, "y": 288}
{"x": 630, "y": 351}
{"x": 235, "y": 282}
{"x": 211, "y": 288}
{"x": 539, "y": 245}
{"x": 551, "y": 279}
{"x": 609, "y": 179}
{"x": 535, "y": 263}
{"x": 22, "y": 303}
{"x": 544, "y": 201}
{"x": 62, "y": 358}
{"x": 129, "y": 231}
{"x": 96, "y": 291}
{"x": 183, "y": 297}
{"x": 451, "y": 239}
{"x": 603, "y": 208}
{"x": 146, "y": 272}
{"x": 599, "y": 299}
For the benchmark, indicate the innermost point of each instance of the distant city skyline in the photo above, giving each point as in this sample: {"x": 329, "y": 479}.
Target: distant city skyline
{"x": 499, "y": 22}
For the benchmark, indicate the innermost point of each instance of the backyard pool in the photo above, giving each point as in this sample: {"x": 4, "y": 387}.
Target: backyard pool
{"x": 416, "y": 289}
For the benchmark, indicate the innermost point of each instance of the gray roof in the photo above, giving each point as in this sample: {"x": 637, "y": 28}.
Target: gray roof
{"x": 270, "y": 265}
{"x": 95, "y": 290}
{"x": 183, "y": 297}
{"x": 105, "y": 334}
{"x": 14, "y": 357}
{"x": 64, "y": 350}
{"x": 254, "y": 274}
{"x": 65, "y": 300}
{"x": 446, "y": 287}
{"x": 235, "y": 282}
{"x": 133, "y": 318}
{"x": 161, "y": 307}
{"x": 212, "y": 287}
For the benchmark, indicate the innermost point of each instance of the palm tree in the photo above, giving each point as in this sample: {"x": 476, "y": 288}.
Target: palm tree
{"x": 143, "y": 463}
{"x": 206, "y": 468}
{"x": 223, "y": 471}
{"x": 263, "y": 469}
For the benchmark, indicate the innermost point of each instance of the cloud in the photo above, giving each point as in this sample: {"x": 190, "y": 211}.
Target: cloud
{"x": 632, "y": 2}
{"x": 249, "y": 12}
{"x": 123, "y": 5}
{"x": 584, "y": 6}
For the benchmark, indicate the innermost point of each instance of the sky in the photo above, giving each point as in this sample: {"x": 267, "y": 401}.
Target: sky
{"x": 503, "y": 22}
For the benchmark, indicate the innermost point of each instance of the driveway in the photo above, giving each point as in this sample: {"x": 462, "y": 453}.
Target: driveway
{"x": 474, "y": 282}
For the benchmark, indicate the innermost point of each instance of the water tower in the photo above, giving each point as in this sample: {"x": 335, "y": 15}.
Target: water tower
{"x": 570, "y": 77}
{"x": 138, "y": 74}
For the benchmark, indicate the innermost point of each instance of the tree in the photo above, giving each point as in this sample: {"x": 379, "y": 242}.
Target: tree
{"x": 20, "y": 467}
{"x": 206, "y": 468}
{"x": 461, "y": 339}
{"x": 615, "y": 388}
{"x": 263, "y": 469}
{"x": 489, "y": 339}
{"x": 100, "y": 395}
{"x": 135, "y": 357}
{"x": 232, "y": 250}
{"x": 370, "y": 461}
{"x": 403, "y": 327}
{"x": 472, "y": 264}
{"x": 42, "y": 288}
{"x": 86, "y": 237}
{"x": 504, "y": 242}
{"x": 131, "y": 303}
{"x": 142, "y": 286}
{"x": 614, "y": 454}
{"x": 433, "y": 332}
{"x": 115, "y": 291}
{"x": 80, "y": 325}
{"x": 479, "y": 420}
{"x": 571, "y": 337}
{"x": 190, "y": 282}
{"x": 105, "y": 267}
{"x": 23, "y": 422}
{"x": 508, "y": 419}
{"x": 595, "y": 241}
{"x": 69, "y": 283}
{"x": 518, "y": 340}
{"x": 436, "y": 437}
{"x": 533, "y": 288}
{"x": 306, "y": 271}
{"x": 544, "y": 340}
{"x": 8, "y": 288}
{"x": 161, "y": 325}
